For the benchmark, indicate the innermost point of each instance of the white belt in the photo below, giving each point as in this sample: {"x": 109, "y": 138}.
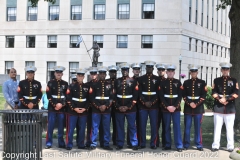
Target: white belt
{"x": 26, "y": 97}
{"x": 54, "y": 96}
{"x": 101, "y": 97}
{"x": 170, "y": 96}
{"x": 189, "y": 97}
{"x": 124, "y": 96}
{"x": 149, "y": 93}
{"x": 220, "y": 95}
{"x": 79, "y": 100}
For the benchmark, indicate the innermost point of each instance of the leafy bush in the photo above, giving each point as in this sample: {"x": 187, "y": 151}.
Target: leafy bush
{"x": 209, "y": 102}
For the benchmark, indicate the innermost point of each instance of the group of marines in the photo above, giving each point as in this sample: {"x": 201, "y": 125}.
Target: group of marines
{"x": 97, "y": 104}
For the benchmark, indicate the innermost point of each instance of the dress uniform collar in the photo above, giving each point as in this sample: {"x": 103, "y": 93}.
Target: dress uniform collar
{"x": 194, "y": 79}
{"x": 102, "y": 81}
{"x": 170, "y": 79}
{"x": 80, "y": 83}
{"x": 58, "y": 80}
{"x": 29, "y": 80}
{"x": 225, "y": 77}
{"x": 94, "y": 80}
{"x": 149, "y": 75}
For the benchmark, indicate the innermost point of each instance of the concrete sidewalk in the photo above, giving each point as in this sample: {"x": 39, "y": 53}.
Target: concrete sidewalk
{"x": 127, "y": 154}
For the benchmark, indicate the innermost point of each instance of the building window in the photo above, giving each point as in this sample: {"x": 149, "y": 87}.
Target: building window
{"x": 201, "y": 71}
{"x": 11, "y": 13}
{"x": 212, "y": 48}
{"x": 53, "y": 13}
{"x": 213, "y": 8}
{"x": 74, "y": 41}
{"x": 202, "y": 15}
{"x": 99, "y": 11}
{"x": 216, "y": 72}
{"x": 211, "y": 75}
{"x": 226, "y": 52}
{"x": 217, "y": 50}
{"x": 32, "y": 13}
{"x": 196, "y": 46}
{"x": 147, "y": 41}
{"x": 143, "y": 69}
{"x": 72, "y": 69}
{"x": 29, "y": 63}
{"x": 217, "y": 20}
{"x": 190, "y": 10}
{"x": 99, "y": 39}
{"x": 50, "y": 70}
{"x": 52, "y": 41}
{"x": 8, "y": 66}
{"x": 122, "y": 41}
{"x": 123, "y": 11}
{"x": 207, "y": 12}
{"x": 206, "y": 75}
{"x": 9, "y": 41}
{"x": 202, "y": 47}
{"x": 76, "y": 12}
{"x": 196, "y": 16}
{"x": 30, "y": 42}
{"x": 190, "y": 44}
{"x": 207, "y": 47}
{"x": 148, "y": 11}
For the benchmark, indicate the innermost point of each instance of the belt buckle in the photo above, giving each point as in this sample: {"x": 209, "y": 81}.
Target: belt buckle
{"x": 170, "y": 96}
{"x": 148, "y": 93}
{"x": 123, "y": 96}
{"x": 30, "y": 98}
{"x": 101, "y": 98}
{"x": 58, "y": 97}
{"x": 80, "y": 100}
{"x": 193, "y": 98}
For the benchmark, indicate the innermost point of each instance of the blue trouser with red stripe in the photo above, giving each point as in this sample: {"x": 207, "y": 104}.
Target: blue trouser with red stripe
{"x": 176, "y": 129}
{"x": 52, "y": 117}
{"x": 73, "y": 121}
{"x": 105, "y": 121}
{"x": 132, "y": 131}
{"x": 143, "y": 117}
{"x": 197, "y": 129}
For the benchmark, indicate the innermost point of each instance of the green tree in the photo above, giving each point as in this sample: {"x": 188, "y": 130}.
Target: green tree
{"x": 35, "y": 2}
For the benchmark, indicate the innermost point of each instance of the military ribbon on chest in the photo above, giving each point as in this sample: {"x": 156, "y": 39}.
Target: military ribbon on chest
{"x": 154, "y": 81}
{"x": 175, "y": 84}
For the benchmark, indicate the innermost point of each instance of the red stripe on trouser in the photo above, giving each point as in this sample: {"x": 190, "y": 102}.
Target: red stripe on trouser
{"x": 155, "y": 141}
{"x": 201, "y": 130}
{"x": 67, "y": 120}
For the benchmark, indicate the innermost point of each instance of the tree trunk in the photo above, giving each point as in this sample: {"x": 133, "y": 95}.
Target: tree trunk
{"x": 234, "y": 16}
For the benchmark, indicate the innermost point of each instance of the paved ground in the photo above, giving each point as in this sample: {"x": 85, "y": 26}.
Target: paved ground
{"x": 145, "y": 154}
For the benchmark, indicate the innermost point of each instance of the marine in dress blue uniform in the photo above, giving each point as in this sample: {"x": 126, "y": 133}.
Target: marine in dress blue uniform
{"x": 29, "y": 90}
{"x": 56, "y": 93}
{"x": 194, "y": 94}
{"x": 78, "y": 104}
{"x": 91, "y": 83}
{"x": 161, "y": 73}
{"x": 171, "y": 96}
{"x": 136, "y": 68}
{"x": 126, "y": 94}
{"x": 113, "y": 75}
{"x": 101, "y": 96}
{"x": 224, "y": 91}
{"x": 148, "y": 104}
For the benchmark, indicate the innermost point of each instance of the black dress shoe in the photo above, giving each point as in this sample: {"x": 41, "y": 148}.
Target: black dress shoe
{"x": 85, "y": 147}
{"x": 179, "y": 149}
{"x": 153, "y": 147}
{"x": 107, "y": 148}
{"x": 48, "y": 147}
{"x": 141, "y": 147}
{"x": 185, "y": 148}
{"x": 134, "y": 147}
{"x": 92, "y": 147}
{"x": 214, "y": 149}
{"x": 69, "y": 148}
{"x": 119, "y": 147}
{"x": 230, "y": 150}
{"x": 61, "y": 146}
{"x": 166, "y": 148}
{"x": 200, "y": 148}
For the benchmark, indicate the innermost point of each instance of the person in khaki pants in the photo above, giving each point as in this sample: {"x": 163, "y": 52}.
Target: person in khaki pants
{"x": 10, "y": 91}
